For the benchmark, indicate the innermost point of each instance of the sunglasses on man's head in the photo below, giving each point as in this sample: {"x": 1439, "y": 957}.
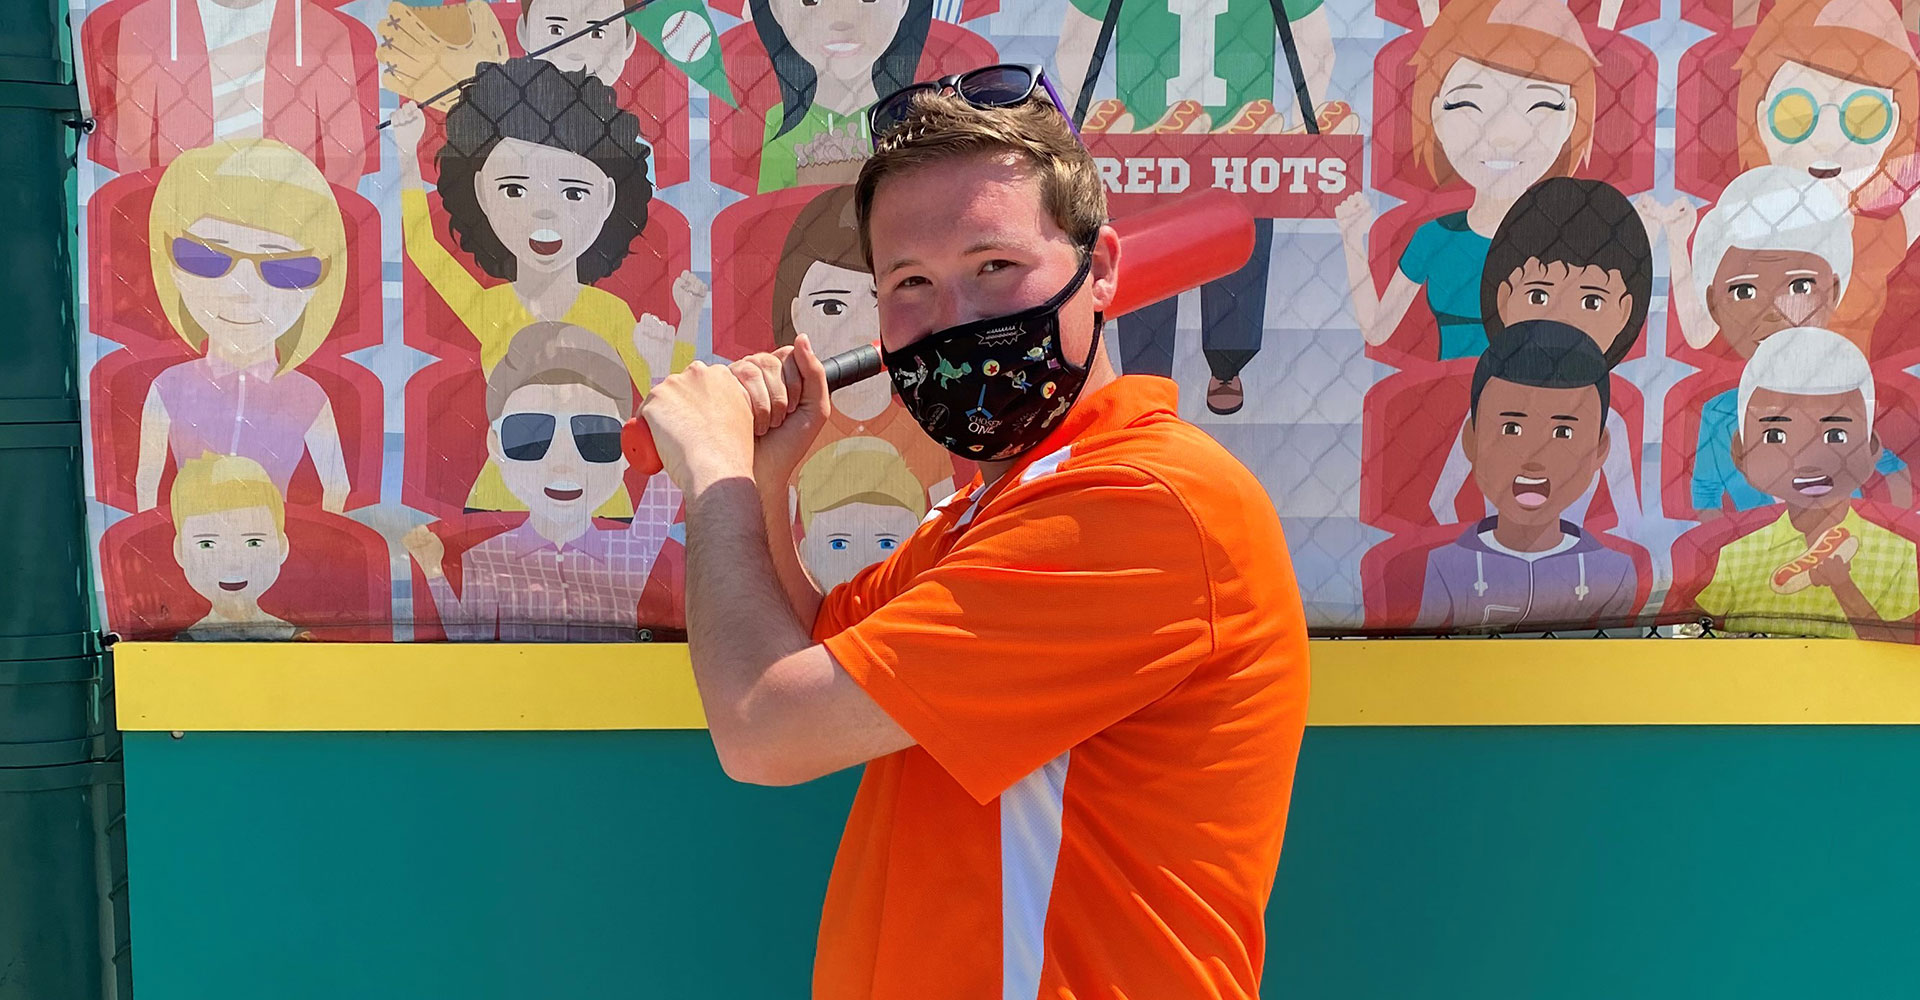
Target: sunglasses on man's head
{"x": 1001, "y": 86}
{"x": 525, "y": 437}
{"x": 292, "y": 270}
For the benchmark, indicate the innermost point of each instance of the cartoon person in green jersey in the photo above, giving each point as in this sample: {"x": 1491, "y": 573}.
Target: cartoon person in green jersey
{"x": 1202, "y": 66}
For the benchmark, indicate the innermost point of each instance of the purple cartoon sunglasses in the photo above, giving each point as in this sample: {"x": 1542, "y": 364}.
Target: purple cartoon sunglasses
{"x": 296, "y": 269}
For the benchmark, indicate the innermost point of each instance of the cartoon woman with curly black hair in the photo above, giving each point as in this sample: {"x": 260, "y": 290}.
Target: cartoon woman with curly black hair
{"x": 544, "y": 180}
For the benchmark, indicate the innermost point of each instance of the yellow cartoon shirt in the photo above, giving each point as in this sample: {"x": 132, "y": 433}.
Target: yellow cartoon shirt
{"x": 493, "y": 314}
{"x": 1883, "y": 569}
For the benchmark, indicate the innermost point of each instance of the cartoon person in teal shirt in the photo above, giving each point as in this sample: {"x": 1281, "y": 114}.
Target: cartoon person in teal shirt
{"x": 1503, "y": 97}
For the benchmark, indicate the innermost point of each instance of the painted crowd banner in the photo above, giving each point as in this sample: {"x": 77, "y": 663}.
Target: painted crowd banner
{"x": 1560, "y": 316}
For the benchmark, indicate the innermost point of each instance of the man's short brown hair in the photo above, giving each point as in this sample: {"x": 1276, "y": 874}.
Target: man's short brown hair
{"x": 552, "y": 353}
{"x": 943, "y": 127}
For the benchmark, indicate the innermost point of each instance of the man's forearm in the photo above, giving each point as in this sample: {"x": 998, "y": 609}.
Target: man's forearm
{"x": 739, "y": 622}
{"x": 803, "y": 594}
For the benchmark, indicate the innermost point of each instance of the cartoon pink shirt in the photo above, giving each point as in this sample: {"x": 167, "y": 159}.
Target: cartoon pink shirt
{"x": 250, "y": 412}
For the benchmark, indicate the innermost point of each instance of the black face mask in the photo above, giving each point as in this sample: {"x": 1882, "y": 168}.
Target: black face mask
{"x": 992, "y": 389}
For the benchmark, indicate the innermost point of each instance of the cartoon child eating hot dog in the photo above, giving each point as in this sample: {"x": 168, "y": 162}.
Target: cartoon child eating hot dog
{"x": 1805, "y": 435}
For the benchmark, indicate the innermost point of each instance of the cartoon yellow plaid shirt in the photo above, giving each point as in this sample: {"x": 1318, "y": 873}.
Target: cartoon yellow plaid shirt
{"x": 1883, "y": 569}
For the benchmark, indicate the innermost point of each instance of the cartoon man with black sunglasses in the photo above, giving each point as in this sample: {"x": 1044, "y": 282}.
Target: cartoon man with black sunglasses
{"x": 555, "y": 404}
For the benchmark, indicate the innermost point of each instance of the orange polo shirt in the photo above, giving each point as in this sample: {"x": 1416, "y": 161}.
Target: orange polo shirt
{"x": 1103, "y": 661}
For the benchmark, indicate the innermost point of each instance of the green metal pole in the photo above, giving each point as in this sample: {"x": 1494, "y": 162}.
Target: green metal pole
{"x": 57, "y": 772}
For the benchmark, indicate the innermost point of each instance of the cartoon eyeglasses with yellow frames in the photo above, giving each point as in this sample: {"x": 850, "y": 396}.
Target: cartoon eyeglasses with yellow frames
{"x": 1866, "y": 116}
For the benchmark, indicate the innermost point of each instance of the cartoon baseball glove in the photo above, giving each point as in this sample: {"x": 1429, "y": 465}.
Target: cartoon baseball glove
{"x": 425, "y": 50}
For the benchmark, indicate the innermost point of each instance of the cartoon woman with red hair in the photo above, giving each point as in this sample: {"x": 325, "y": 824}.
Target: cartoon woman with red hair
{"x": 1831, "y": 87}
{"x": 1503, "y": 97}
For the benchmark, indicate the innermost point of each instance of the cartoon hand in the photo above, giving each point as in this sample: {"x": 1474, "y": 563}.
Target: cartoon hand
{"x": 1355, "y": 216}
{"x": 409, "y": 128}
{"x": 426, "y": 549}
{"x": 424, "y": 50}
{"x": 653, "y": 341}
{"x": 689, "y": 293}
{"x": 1832, "y": 572}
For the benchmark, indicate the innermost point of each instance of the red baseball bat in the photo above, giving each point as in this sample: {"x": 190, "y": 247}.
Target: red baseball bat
{"x": 1164, "y": 251}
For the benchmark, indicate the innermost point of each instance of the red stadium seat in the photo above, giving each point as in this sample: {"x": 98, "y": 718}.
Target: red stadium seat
{"x": 649, "y": 86}
{"x": 336, "y": 583}
{"x": 747, "y": 239}
{"x": 736, "y": 132}
{"x": 1706, "y": 124}
{"x": 124, "y": 307}
{"x": 1408, "y": 426}
{"x": 645, "y": 280}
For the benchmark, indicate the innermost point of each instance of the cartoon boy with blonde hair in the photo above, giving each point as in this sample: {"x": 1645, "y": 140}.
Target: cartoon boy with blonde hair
{"x": 230, "y": 539}
{"x": 858, "y": 503}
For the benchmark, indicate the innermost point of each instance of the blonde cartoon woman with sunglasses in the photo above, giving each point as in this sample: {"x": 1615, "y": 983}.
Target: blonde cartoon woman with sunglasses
{"x": 249, "y": 261}
{"x": 1830, "y": 87}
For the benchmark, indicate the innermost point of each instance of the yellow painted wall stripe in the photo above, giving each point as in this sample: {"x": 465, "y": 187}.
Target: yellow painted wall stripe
{"x": 215, "y": 687}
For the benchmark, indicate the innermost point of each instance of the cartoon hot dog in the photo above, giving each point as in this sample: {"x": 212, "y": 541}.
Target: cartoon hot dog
{"x": 1834, "y": 543}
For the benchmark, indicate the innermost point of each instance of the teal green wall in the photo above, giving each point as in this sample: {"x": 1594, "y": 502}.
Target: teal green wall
{"x": 1431, "y": 863}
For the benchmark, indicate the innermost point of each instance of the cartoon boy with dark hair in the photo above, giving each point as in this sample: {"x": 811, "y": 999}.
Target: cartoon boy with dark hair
{"x": 1575, "y": 252}
{"x": 1806, "y": 409}
{"x": 1535, "y": 436}
{"x": 555, "y": 404}
{"x": 544, "y": 180}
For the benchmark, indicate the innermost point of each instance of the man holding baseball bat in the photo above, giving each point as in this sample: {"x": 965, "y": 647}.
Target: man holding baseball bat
{"x": 1079, "y": 687}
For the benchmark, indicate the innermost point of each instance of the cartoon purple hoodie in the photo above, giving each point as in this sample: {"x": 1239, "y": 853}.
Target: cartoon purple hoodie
{"x": 1476, "y": 582}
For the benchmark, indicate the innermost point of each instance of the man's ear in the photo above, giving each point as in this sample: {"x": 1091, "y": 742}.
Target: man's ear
{"x": 1105, "y": 273}
{"x": 1467, "y": 444}
{"x": 1605, "y": 442}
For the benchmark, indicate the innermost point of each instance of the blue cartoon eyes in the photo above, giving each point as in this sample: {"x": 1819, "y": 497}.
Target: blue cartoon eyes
{"x": 838, "y": 545}
{"x": 888, "y": 545}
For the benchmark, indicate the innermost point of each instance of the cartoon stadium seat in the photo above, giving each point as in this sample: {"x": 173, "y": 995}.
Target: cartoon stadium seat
{"x": 1406, "y": 13}
{"x": 1409, "y": 422}
{"x": 747, "y": 239}
{"x": 334, "y": 562}
{"x": 125, "y": 308}
{"x": 1393, "y": 573}
{"x": 1416, "y": 341}
{"x": 661, "y": 606}
{"x": 1696, "y": 553}
{"x": 1706, "y": 124}
{"x": 149, "y": 104}
{"x": 446, "y": 438}
{"x": 1717, "y": 15}
{"x": 736, "y": 132}
{"x": 1623, "y": 131}
{"x": 1896, "y": 421}
{"x": 649, "y": 86}
{"x": 645, "y": 280}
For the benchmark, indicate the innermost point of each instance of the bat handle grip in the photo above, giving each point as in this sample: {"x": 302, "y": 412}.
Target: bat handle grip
{"x": 844, "y": 369}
